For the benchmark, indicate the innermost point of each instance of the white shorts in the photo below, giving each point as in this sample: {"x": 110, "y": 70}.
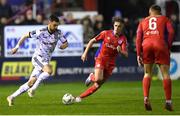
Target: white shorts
{"x": 39, "y": 62}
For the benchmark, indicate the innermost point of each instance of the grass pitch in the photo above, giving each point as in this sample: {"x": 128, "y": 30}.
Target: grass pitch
{"x": 113, "y": 98}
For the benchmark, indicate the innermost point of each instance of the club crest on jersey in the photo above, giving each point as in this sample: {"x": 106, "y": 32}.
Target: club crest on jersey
{"x": 120, "y": 41}
{"x": 108, "y": 38}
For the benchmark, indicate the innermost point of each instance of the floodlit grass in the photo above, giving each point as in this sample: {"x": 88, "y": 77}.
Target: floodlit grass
{"x": 112, "y": 98}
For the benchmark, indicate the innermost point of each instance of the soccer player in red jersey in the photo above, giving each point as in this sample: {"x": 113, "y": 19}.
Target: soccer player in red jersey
{"x": 153, "y": 43}
{"x": 113, "y": 43}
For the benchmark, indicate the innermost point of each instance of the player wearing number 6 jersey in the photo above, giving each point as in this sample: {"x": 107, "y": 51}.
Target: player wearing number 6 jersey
{"x": 153, "y": 43}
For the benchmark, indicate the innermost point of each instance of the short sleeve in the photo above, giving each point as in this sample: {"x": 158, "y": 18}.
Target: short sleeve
{"x": 34, "y": 34}
{"x": 123, "y": 43}
{"x": 62, "y": 39}
{"x": 101, "y": 36}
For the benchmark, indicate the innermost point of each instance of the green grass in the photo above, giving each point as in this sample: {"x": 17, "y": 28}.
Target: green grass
{"x": 113, "y": 98}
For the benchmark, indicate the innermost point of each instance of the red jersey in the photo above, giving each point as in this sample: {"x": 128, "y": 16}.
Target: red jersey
{"x": 157, "y": 29}
{"x": 109, "y": 45}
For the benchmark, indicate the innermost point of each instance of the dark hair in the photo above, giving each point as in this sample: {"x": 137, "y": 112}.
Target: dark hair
{"x": 54, "y": 18}
{"x": 117, "y": 19}
{"x": 156, "y": 8}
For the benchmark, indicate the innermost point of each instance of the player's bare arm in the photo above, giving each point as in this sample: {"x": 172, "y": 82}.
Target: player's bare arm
{"x": 89, "y": 45}
{"x": 15, "y": 49}
{"x": 140, "y": 61}
{"x": 64, "y": 45}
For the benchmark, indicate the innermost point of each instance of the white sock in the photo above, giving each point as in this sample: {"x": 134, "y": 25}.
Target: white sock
{"x": 23, "y": 88}
{"x": 41, "y": 77}
{"x": 168, "y": 101}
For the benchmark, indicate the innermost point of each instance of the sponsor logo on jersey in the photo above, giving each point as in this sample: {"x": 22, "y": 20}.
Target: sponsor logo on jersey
{"x": 110, "y": 46}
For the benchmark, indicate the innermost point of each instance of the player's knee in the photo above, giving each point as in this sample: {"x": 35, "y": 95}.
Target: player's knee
{"x": 31, "y": 82}
{"x": 166, "y": 76}
{"x": 48, "y": 69}
{"x": 99, "y": 80}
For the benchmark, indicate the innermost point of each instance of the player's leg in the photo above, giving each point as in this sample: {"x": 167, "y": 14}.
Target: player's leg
{"x": 47, "y": 71}
{"x": 40, "y": 63}
{"x": 101, "y": 75}
{"x": 167, "y": 84}
{"x": 23, "y": 88}
{"x": 146, "y": 85}
{"x": 90, "y": 79}
{"x": 162, "y": 57}
{"x": 34, "y": 75}
{"x": 97, "y": 83}
{"x": 148, "y": 60}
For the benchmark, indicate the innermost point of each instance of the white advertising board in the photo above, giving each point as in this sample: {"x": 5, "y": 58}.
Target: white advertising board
{"x": 174, "y": 67}
{"x": 73, "y": 33}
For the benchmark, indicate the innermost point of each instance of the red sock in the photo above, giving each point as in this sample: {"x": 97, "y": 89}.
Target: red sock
{"x": 89, "y": 91}
{"x": 146, "y": 86}
{"x": 167, "y": 88}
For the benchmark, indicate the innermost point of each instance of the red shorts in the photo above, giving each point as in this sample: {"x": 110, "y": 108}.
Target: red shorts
{"x": 158, "y": 54}
{"x": 106, "y": 65}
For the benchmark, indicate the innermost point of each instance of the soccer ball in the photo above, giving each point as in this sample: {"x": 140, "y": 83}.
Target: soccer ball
{"x": 67, "y": 99}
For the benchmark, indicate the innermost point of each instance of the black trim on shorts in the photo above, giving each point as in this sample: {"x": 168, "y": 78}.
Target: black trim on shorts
{"x": 38, "y": 62}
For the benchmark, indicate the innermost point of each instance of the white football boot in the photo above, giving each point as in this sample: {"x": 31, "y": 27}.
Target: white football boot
{"x": 77, "y": 99}
{"x": 10, "y": 100}
{"x": 31, "y": 93}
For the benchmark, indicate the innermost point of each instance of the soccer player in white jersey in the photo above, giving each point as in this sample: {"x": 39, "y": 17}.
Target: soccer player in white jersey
{"x": 47, "y": 39}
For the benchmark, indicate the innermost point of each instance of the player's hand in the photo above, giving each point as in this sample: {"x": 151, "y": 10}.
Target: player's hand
{"x": 140, "y": 61}
{"x": 119, "y": 49}
{"x": 84, "y": 57}
{"x": 14, "y": 50}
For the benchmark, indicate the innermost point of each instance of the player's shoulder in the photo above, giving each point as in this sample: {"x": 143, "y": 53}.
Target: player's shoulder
{"x": 58, "y": 31}
{"x": 165, "y": 18}
{"x": 122, "y": 39}
{"x": 162, "y": 16}
{"x": 141, "y": 20}
{"x": 157, "y": 16}
{"x": 122, "y": 36}
{"x": 146, "y": 19}
{"x": 43, "y": 29}
{"x": 106, "y": 31}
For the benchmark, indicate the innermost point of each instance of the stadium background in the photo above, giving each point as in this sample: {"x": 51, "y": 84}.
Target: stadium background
{"x": 80, "y": 21}
{"x": 92, "y": 16}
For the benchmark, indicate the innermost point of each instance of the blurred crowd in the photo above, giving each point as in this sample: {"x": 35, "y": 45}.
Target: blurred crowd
{"x": 23, "y": 15}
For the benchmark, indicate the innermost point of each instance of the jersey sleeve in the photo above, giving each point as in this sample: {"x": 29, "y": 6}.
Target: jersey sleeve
{"x": 124, "y": 44}
{"x": 62, "y": 39}
{"x": 34, "y": 34}
{"x": 170, "y": 33}
{"x": 101, "y": 36}
{"x": 139, "y": 38}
